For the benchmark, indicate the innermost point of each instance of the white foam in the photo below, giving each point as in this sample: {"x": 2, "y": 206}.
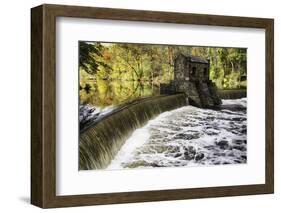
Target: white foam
{"x": 138, "y": 138}
{"x": 165, "y": 140}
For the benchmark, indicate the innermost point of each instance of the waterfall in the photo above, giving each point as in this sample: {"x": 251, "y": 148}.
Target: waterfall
{"x": 101, "y": 140}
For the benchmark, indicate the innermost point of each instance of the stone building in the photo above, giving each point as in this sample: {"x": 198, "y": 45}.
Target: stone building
{"x": 191, "y": 68}
{"x": 191, "y": 76}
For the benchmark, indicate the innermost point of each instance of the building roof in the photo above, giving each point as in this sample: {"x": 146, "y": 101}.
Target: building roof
{"x": 198, "y": 59}
{"x": 195, "y": 59}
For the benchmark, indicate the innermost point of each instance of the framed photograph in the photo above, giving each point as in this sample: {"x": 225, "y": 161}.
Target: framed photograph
{"x": 136, "y": 106}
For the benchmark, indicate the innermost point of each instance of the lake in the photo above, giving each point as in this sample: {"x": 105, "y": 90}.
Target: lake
{"x": 106, "y": 93}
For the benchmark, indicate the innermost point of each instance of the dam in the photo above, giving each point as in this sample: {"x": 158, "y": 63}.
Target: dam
{"x": 100, "y": 141}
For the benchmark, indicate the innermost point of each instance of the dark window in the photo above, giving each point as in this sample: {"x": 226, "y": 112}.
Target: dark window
{"x": 193, "y": 70}
{"x": 205, "y": 71}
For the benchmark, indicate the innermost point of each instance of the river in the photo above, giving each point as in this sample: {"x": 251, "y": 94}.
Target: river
{"x": 188, "y": 136}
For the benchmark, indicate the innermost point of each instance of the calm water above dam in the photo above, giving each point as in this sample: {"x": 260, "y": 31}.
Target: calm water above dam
{"x": 106, "y": 93}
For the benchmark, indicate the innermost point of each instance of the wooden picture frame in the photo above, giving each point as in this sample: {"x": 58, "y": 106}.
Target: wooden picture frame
{"x": 43, "y": 105}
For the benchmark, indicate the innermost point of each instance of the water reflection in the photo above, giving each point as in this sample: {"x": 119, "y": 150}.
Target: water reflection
{"x": 104, "y": 93}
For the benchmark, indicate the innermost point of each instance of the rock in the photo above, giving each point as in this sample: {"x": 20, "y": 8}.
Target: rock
{"x": 223, "y": 144}
{"x": 186, "y": 136}
{"x": 188, "y": 156}
{"x": 244, "y": 157}
{"x": 87, "y": 114}
{"x": 199, "y": 156}
{"x": 239, "y": 142}
{"x": 189, "y": 153}
{"x": 190, "y": 149}
{"x": 238, "y": 119}
{"x": 243, "y": 131}
{"x": 241, "y": 148}
{"x": 209, "y": 147}
{"x": 177, "y": 155}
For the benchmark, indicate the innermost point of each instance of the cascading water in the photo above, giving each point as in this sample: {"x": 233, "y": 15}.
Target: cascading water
{"x": 100, "y": 141}
{"x": 188, "y": 136}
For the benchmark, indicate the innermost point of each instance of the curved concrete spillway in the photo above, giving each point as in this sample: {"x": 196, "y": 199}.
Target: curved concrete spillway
{"x": 101, "y": 140}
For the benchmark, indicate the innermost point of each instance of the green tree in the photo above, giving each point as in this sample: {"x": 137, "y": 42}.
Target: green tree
{"x": 155, "y": 63}
{"x": 89, "y": 56}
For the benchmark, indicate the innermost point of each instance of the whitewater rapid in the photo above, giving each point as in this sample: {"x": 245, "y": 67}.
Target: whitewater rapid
{"x": 188, "y": 136}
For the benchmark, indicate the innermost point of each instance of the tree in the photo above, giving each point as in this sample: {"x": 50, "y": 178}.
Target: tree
{"x": 89, "y": 56}
{"x": 155, "y": 63}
